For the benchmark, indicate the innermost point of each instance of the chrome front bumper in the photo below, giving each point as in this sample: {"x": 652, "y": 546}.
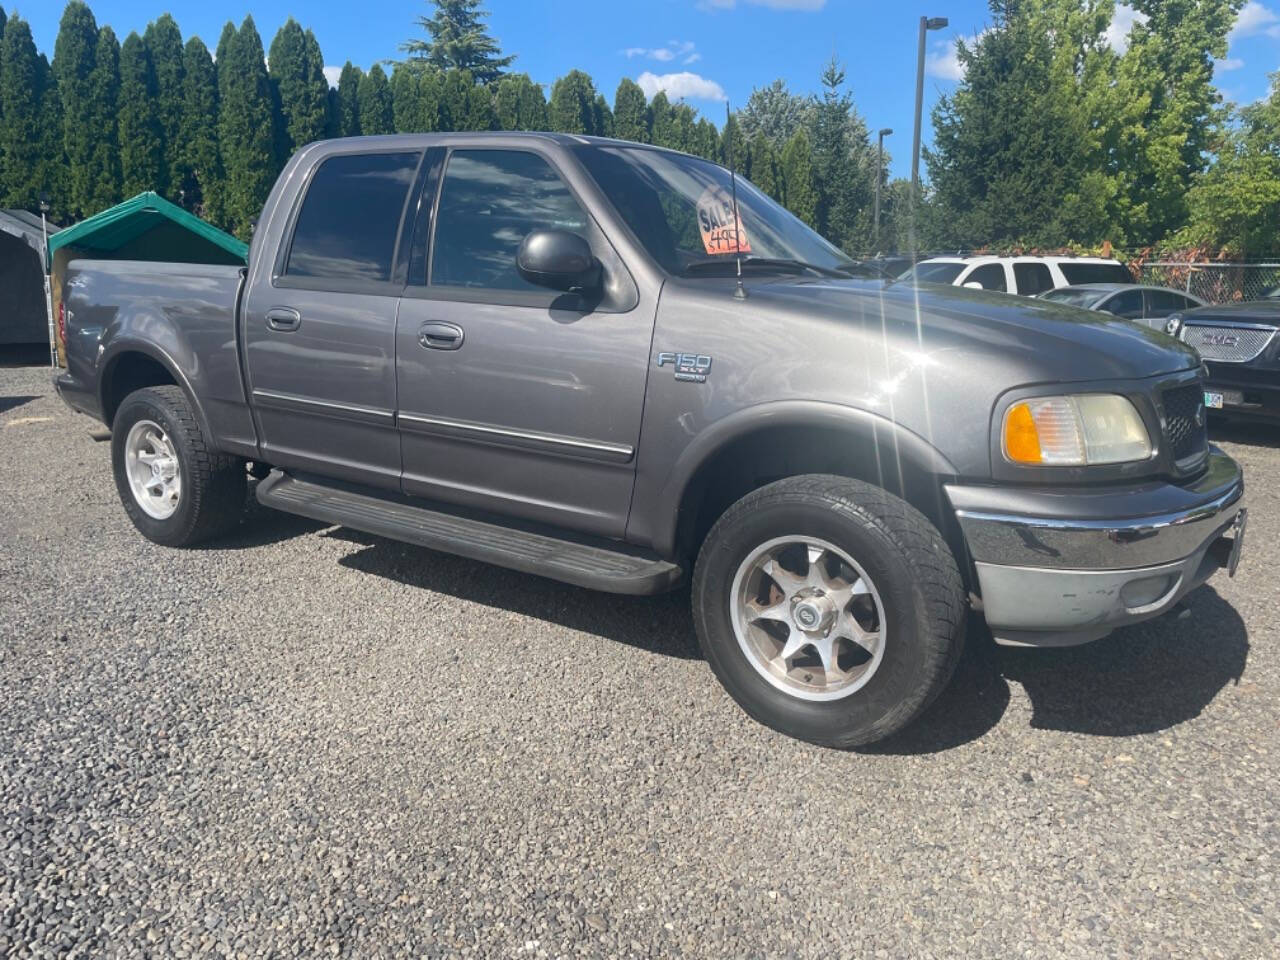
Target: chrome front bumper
{"x": 1062, "y": 566}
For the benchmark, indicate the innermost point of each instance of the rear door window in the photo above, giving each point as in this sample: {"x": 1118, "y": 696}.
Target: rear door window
{"x": 1127, "y": 304}
{"x": 990, "y": 275}
{"x": 1161, "y": 303}
{"x": 350, "y": 218}
{"x": 1032, "y": 278}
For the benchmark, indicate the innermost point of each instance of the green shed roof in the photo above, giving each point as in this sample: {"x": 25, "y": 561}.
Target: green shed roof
{"x": 124, "y": 230}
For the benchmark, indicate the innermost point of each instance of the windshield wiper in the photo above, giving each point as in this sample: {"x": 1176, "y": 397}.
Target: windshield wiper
{"x": 765, "y": 263}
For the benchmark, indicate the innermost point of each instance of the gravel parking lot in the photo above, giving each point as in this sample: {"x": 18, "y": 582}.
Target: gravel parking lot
{"x": 308, "y": 741}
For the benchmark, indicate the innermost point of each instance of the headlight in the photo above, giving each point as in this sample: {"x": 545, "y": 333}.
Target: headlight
{"x": 1074, "y": 431}
{"x": 1172, "y": 324}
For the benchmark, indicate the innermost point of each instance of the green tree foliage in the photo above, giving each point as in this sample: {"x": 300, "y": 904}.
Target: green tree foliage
{"x": 455, "y": 87}
{"x": 244, "y": 127}
{"x": 630, "y": 112}
{"x": 776, "y": 112}
{"x": 457, "y": 39}
{"x": 141, "y": 146}
{"x": 480, "y": 114}
{"x": 761, "y": 166}
{"x": 348, "y": 114}
{"x": 799, "y": 193}
{"x": 104, "y": 161}
{"x": 661, "y": 128}
{"x": 374, "y": 95}
{"x": 404, "y": 99}
{"x": 74, "y": 57}
{"x": 601, "y": 117}
{"x": 200, "y": 173}
{"x": 20, "y": 97}
{"x": 52, "y": 172}
{"x": 843, "y": 164}
{"x": 572, "y": 108}
{"x": 519, "y": 103}
{"x": 163, "y": 42}
{"x": 296, "y": 69}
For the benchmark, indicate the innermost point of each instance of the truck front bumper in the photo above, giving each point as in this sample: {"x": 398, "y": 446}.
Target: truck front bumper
{"x": 1062, "y": 566}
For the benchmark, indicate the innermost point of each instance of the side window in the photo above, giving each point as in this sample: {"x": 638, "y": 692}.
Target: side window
{"x": 1127, "y": 304}
{"x": 990, "y": 275}
{"x": 1161, "y": 303}
{"x": 1032, "y": 278}
{"x": 350, "y": 217}
{"x": 489, "y": 202}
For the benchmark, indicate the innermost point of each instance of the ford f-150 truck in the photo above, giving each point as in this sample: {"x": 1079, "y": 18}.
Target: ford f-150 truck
{"x": 620, "y": 367}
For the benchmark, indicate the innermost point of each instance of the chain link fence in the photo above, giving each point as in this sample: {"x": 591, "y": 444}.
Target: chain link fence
{"x": 1212, "y": 282}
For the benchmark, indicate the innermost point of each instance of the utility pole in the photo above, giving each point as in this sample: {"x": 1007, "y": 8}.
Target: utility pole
{"x": 926, "y": 24}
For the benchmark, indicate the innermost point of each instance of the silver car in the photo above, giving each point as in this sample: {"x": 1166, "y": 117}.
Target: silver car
{"x": 1150, "y": 306}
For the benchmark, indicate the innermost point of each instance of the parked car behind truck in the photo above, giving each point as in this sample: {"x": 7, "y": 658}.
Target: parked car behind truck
{"x": 581, "y": 358}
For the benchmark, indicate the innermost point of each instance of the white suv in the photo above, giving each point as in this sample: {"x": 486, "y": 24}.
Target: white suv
{"x": 1022, "y": 275}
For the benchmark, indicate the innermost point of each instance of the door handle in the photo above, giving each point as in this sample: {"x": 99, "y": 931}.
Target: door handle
{"x": 283, "y": 319}
{"x": 440, "y": 336}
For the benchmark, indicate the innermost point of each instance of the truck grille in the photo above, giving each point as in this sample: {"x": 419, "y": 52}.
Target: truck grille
{"x": 1227, "y": 344}
{"x": 1184, "y": 421}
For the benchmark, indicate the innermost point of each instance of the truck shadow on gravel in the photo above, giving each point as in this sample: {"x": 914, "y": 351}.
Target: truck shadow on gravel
{"x": 1140, "y": 680}
{"x": 1248, "y": 432}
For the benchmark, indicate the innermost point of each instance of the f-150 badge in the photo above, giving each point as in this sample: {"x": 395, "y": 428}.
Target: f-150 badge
{"x": 692, "y": 367}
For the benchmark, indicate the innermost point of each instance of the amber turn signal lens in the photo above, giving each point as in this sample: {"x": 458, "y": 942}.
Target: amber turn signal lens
{"x": 1021, "y": 438}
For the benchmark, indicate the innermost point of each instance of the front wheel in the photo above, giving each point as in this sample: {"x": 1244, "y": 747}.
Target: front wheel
{"x": 831, "y": 610}
{"x": 174, "y": 487}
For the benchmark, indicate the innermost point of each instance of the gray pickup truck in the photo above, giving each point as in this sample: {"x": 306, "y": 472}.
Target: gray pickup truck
{"x": 613, "y": 365}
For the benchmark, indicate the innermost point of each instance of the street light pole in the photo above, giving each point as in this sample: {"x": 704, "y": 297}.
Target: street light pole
{"x": 879, "y": 176}
{"x": 926, "y": 24}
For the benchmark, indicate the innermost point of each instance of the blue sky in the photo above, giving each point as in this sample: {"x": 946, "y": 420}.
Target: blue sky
{"x": 703, "y": 50}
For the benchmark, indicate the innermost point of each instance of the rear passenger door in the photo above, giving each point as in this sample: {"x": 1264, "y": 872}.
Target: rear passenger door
{"x": 512, "y": 397}
{"x": 319, "y": 332}
{"x": 1162, "y": 303}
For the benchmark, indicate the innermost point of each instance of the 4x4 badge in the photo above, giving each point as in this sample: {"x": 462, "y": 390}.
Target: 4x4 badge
{"x": 692, "y": 367}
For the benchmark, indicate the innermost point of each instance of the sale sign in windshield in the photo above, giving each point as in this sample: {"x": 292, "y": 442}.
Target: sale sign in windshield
{"x": 720, "y": 224}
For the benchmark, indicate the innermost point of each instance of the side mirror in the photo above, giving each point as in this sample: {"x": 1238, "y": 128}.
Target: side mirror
{"x": 973, "y": 285}
{"x": 558, "y": 259}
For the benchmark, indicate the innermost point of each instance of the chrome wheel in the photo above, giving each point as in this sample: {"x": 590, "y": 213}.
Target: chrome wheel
{"x": 151, "y": 463}
{"x": 808, "y": 618}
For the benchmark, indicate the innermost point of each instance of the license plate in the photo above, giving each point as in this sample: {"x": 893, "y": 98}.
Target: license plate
{"x": 1237, "y": 543}
{"x": 1213, "y": 400}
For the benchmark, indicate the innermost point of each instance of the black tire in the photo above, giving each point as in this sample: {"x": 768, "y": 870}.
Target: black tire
{"x": 904, "y": 556}
{"x": 213, "y": 484}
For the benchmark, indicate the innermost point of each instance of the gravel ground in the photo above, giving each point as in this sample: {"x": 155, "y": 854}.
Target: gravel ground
{"x": 307, "y": 741}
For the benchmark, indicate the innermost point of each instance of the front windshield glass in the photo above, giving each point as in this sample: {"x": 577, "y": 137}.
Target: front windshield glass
{"x": 681, "y": 209}
{"x": 1078, "y": 298}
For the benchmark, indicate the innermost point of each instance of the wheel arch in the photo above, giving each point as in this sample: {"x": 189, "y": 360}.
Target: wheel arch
{"x": 762, "y": 444}
{"x": 128, "y": 365}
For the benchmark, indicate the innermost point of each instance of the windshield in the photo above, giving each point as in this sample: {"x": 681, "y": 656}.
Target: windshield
{"x": 934, "y": 272}
{"x": 681, "y": 209}
{"x": 1095, "y": 272}
{"x": 1079, "y": 298}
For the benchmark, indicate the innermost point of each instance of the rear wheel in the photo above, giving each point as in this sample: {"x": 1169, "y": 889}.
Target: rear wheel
{"x": 175, "y": 489}
{"x": 831, "y": 610}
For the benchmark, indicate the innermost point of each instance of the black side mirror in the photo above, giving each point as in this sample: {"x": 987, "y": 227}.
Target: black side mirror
{"x": 560, "y": 260}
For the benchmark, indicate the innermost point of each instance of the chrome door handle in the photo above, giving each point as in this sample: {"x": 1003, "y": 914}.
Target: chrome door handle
{"x": 284, "y": 319}
{"x": 436, "y": 335}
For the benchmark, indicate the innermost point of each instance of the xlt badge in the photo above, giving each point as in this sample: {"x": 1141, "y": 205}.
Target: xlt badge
{"x": 692, "y": 367}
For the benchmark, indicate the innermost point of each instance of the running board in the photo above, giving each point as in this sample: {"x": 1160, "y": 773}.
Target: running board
{"x": 583, "y": 564}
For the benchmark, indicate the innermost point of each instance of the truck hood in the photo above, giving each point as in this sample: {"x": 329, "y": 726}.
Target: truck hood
{"x": 1255, "y": 311}
{"x": 1048, "y": 341}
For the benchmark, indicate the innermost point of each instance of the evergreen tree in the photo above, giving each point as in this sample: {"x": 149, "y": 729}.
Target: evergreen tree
{"x": 74, "y": 57}
{"x": 798, "y": 191}
{"x": 458, "y": 40}
{"x": 844, "y": 168}
{"x": 141, "y": 149}
{"x": 201, "y": 171}
{"x": 404, "y": 99}
{"x": 519, "y": 104}
{"x": 480, "y": 115}
{"x": 732, "y": 138}
{"x": 706, "y": 140}
{"x": 601, "y": 117}
{"x": 374, "y": 96}
{"x": 428, "y": 108}
{"x": 296, "y": 69}
{"x": 348, "y": 122}
{"x": 775, "y": 111}
{"x": 630, "y": 112}
{"x": 104, "y": 159}
{"x": 163, "y": 41}
{"x": 661, "y": 120}
{"x": 682, "y": 124}
{"x": 762, "y": 166}
{"x": 52, "y": 172}
{"x": 244, "y": 127}
{"x": 455, "y": 86}
{"x": 20, "y": 96}
{"x": 572, "y": 105}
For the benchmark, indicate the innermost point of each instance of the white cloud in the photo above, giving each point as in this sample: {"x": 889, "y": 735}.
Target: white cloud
{"x": 774, "y": 4}
{"x": 331, "y": 74}
{"x": 1125, "y": 19}
{"x": 680, "y": 86}
{"x": 1231, "y": 63}
{"x": 943, "y": 62}
{"x": 682, "y": 50}
{"x": 1253, "y": 18}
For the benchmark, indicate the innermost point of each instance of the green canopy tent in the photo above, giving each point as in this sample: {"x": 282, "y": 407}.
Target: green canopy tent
{"x": 146, "y": 227}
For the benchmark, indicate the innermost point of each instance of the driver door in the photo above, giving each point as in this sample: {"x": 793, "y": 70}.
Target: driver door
{"x": 511, "y": 397}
